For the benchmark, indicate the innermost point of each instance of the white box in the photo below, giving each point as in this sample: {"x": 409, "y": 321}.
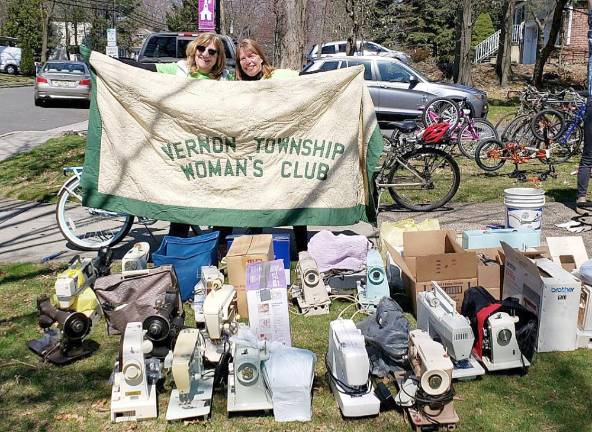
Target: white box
{"x": 549, "y": 291}
{"x": 267, "y": 299}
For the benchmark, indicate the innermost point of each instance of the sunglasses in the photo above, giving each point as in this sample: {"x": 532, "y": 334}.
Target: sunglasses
{"x": 211, "y": 51}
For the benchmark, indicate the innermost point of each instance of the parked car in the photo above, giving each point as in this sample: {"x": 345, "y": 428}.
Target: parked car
{"x": 61, "y": 79}
{"x": 398, "y": 91}
{"x": 169, "y": 47}
{"x": 10, "y": 59}
{"x": 363, "y": 48}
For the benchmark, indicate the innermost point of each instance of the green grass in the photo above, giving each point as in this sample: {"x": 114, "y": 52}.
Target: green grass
{"x": 7, "y": 80}
{"x": 37, "y": 175}
{"x": 554, "y": 396}
{"x": 496, "y": 112}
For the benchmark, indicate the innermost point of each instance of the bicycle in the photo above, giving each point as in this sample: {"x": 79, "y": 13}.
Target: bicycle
{"x": 85, "y": 227}
{"x": 466, "y": 131}
{"x": 417, "y": 176}
{"x": 492, "y": 154}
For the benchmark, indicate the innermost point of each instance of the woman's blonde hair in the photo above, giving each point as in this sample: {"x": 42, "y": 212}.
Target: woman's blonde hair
{"x": 205, "y": 39}
{"x": 250, "y": 45}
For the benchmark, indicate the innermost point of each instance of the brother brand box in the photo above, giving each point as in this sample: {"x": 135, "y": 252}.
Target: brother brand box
{"x": 435, "y": 256}
{"x": 521, "y": 239}
{"x": 549, "y": 291}
{"x": 267, "y": 297}
{"x": 245, "y": 250}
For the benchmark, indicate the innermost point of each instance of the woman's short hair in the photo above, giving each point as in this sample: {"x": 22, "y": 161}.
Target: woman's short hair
{"x": 204, "y": 39}
{"x": 250, "y": 45}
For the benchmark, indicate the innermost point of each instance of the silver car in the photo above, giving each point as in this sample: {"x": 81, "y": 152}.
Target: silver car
{"x": 398, "y": 91}
{"x": 59, "y": 79}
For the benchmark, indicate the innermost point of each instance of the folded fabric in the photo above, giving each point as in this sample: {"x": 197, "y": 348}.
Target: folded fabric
{"x": 339, "y": 252}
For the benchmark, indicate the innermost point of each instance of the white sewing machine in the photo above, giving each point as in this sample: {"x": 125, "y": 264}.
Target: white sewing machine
{"x": 135, "y": 260}
{"x": 194, "y": 385}
{"x": 132, "y": 398}
{"x": 211, "y": 279}
{"x": 220, "y": 319}
{"x": 311, "y": 293}
{"x": 349, "y": 369}
{"x": 247, "y": 390}
{"x": 437, "y": 315}
{"x": 584, "y": 328}
{"x": 501, "y": 344}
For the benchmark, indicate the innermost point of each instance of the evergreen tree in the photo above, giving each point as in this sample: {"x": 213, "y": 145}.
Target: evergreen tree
{"x": 183, "y": 17}
{"x": 483, "y": 29}
{"x": 22, "y": 22}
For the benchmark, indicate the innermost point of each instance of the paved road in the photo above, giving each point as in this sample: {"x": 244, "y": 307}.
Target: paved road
{"x": 18, "y": 112}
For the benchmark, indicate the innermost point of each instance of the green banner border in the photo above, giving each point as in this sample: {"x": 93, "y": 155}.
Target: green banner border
{"x": 215, "y": 216}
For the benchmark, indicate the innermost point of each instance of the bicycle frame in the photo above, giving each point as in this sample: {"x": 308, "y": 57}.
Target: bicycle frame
{"x": 573, "y": 124}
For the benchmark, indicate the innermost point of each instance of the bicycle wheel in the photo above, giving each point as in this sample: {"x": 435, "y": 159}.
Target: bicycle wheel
{"x": 472, "y": 133}
{"x": 88, "y": 228}
{"x": 424, "y": 179}
{"x": 564, "y": 148}
{"x": 490, "y": 155}
{"x": 441, "y": 110}
{"x": 547, "y": 124}
{"x": 505, "y": 120}
{"x": 511, "y": 127}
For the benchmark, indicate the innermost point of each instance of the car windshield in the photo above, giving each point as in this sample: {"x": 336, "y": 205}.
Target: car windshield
{"x": 65, "y": 68}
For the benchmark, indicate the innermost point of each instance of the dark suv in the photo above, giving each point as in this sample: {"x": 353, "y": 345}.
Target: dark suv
{"x": 168, "y": 47}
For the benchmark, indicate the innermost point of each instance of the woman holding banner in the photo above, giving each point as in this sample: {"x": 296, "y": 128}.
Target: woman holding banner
{"x": 252, "y": 65}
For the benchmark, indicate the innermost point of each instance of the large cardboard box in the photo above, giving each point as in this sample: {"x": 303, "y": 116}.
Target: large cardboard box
{"x": 245, "y": 250}
{"x": 435, "y": 256}
{"x": 569, "y": 252}
{"x": 267, "y": 296}
{"x": 549, "y": 291}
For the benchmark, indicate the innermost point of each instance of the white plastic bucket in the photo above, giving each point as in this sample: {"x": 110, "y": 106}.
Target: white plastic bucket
{"x": 524, "y": 207}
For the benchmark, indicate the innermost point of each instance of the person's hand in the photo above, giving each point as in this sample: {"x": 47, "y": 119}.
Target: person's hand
{"x": 85, "y": 52}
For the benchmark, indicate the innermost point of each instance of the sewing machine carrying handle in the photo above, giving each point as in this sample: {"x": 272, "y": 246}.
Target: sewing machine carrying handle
{"x": 447, "y": 303}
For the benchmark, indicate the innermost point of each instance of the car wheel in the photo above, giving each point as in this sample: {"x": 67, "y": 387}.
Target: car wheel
{"x": 10, "y": 69}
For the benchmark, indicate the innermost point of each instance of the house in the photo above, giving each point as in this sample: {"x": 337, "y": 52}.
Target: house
{"x": 572, "y": 42}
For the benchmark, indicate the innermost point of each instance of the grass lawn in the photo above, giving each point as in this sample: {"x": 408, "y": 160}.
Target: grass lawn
{"x": 7, "y": 80}
{"x": 553, "y": 396}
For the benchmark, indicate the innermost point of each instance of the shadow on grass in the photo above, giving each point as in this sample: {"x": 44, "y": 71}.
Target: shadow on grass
{"x": 26, "y": 275}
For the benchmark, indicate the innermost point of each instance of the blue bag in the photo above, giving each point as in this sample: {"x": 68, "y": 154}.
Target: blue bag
{"x": 187, "y": 256}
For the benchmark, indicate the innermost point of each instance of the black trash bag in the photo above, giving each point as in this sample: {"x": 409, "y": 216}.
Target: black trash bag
{"x": 526, "y": 328}
{"x": 386, "y": 332}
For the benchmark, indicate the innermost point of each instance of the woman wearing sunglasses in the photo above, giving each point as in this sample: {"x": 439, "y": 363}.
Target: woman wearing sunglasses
{"x": 205, "y": 60}
{"x": 252, "y": 65}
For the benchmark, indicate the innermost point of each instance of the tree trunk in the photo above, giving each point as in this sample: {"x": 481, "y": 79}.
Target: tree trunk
{"x": 67, "y": 31}
{"x": 322, "y": 35}
{"x": 589, "y": 50}
{"x": 46, "y": 16}
{"x": 292, "y": 43}
{"x": 463, "y": 52}
{"x": 352, "y": 38}
{"x": 556, "y": 25}
{"x": 503, "y": 64}
{"x": 278, "y": 31}
{"x": 540, "y": 38}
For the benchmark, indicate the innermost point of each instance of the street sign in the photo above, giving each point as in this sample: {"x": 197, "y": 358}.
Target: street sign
{"x": 206, "y": 17}
{"x": 111, "y": 37}
{"x": 112, "y": 51}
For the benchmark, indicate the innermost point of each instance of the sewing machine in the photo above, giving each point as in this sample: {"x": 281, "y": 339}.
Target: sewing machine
{"x": 132, "y": 396}
{"x": 437, "y": 315}
{"x": 220, "y": 320}
{"x": 500, "y": 346}
{"x": 311, "y": 293}
{"x": 349, "y": 368}
{"x": 247, "y": 390}
{"x": 376, "y": 286}
{"x": 194, "y": 384}
{"x": 427, "y": 396}
{"x": 135, "y": 260}
{"x": 211, "y": 279}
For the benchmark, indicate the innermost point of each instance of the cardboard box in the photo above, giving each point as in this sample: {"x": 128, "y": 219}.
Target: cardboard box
{"x": 435, "y": 256}
{"x": 267, "y": 297}
{"x": 569, "y": 252}
{"x": 245, "y": 250}
{"x": 490, "y": 270}
{"x": 281, "y": 249}
{"x": 549, "y": 291}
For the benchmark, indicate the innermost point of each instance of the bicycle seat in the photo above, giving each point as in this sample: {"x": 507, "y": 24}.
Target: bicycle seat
{"x": 405, "y": 126}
